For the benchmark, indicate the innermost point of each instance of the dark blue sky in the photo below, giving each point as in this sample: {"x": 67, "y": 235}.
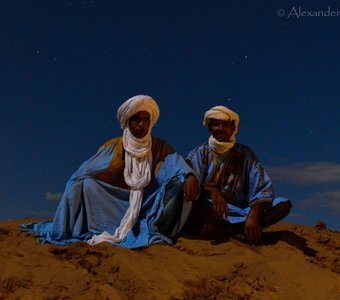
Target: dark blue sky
{"x": 66, "y": 66}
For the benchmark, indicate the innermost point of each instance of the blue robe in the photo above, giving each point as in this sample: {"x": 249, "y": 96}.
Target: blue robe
{"x": 250, "y": 183}
{"x": 96, "y": 198}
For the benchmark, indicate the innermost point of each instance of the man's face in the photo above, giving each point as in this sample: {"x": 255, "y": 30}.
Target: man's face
{"x": 222, "y": 130}
{"x": 139, "y": 124}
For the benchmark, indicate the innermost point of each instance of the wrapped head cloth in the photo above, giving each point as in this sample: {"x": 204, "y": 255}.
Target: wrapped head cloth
{"x": 136, "y": 104}
{"x": 221, "y": 113}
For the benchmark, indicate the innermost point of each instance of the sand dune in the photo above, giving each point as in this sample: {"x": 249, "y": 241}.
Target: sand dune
{"x": 294, "y": 262}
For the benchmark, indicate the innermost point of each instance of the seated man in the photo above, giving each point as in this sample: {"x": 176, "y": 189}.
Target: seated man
{"x": 129, "y": 193}
{"x": 234, "y": 185}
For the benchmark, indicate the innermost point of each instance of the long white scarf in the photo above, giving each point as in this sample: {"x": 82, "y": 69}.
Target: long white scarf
{"x": 137, "y": 175}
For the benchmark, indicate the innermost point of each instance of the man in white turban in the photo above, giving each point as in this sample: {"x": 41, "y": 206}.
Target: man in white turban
{"x": 130, "y": 193}
{"x": 236, "y": 193}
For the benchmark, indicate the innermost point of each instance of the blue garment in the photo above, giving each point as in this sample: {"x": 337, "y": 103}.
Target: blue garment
{"x": 96, "y": 198}
{"x": 247, "y": 185}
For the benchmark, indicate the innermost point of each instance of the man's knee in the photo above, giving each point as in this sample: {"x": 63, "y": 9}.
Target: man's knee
{"x": 284, "y": 207}
{"x": 276, "y": 213}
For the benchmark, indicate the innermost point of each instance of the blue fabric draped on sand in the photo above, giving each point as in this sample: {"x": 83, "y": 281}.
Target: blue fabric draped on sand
{"x": 91, "y": 206}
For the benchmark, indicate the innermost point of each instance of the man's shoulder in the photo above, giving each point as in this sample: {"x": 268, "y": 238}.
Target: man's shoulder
{"x": 246, "y": 151}
{"x": 156, "y": 143}
{"x": 202, "y": 150}
{"x": 204, "y": 146}
{"x": 112, "y": 142}
{"x": 242, "y": 148}
{"x": 157, "y": 140}
{"x": 238, "y": 147}
{"x": 160, "y": 145}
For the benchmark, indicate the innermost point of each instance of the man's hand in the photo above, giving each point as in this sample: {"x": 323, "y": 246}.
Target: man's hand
{"x": 252, "y": 230}
{"x": 219, "y": 204}
{"x": 191, "y": 188}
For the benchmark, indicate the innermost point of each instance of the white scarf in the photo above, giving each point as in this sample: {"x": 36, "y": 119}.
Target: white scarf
{"x": 221, "y": 147}
{"x": 137, "y": 175}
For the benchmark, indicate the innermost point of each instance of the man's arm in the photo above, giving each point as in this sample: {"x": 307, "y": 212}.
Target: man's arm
{"x": 220, "y": 207}
{"x": 192, "y": 185}
{"x": 252, "y": 230}
{"x": 191, "y": 189}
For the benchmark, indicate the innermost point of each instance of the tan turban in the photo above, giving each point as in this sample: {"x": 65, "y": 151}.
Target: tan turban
{"x": 221, "y": 113}
{"x": 136, "y": 104}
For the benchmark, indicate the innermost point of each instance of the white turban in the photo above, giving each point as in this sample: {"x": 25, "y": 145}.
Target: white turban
{"x": 221, "y": 113}
{"x": 135, "y": 104}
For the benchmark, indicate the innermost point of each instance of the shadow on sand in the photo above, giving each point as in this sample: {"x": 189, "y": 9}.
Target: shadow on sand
{"x": 291, "y": 238}
{"x": 268, "y": 238}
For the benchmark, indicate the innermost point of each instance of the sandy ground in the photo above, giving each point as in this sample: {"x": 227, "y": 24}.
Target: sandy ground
{"x": 293, "y": 262}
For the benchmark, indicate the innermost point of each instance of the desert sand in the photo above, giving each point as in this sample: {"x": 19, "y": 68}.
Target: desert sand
{"x": 292, "y": 262}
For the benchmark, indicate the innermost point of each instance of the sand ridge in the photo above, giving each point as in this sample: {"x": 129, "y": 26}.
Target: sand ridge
{"x": 293, "y": 262}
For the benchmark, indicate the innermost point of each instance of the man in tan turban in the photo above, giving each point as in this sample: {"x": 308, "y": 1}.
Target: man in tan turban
{"x": 236, "y": 193}
{"x": 130, "y": 193}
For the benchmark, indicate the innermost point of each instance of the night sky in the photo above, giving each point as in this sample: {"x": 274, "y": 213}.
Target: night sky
{"x": 66, "y": 66}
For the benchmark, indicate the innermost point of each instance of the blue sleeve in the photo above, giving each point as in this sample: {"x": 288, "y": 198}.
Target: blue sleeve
{"x": 196, "y": 161}
{"x": 174, "y": 165}
{"x": 260, "y": 185}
